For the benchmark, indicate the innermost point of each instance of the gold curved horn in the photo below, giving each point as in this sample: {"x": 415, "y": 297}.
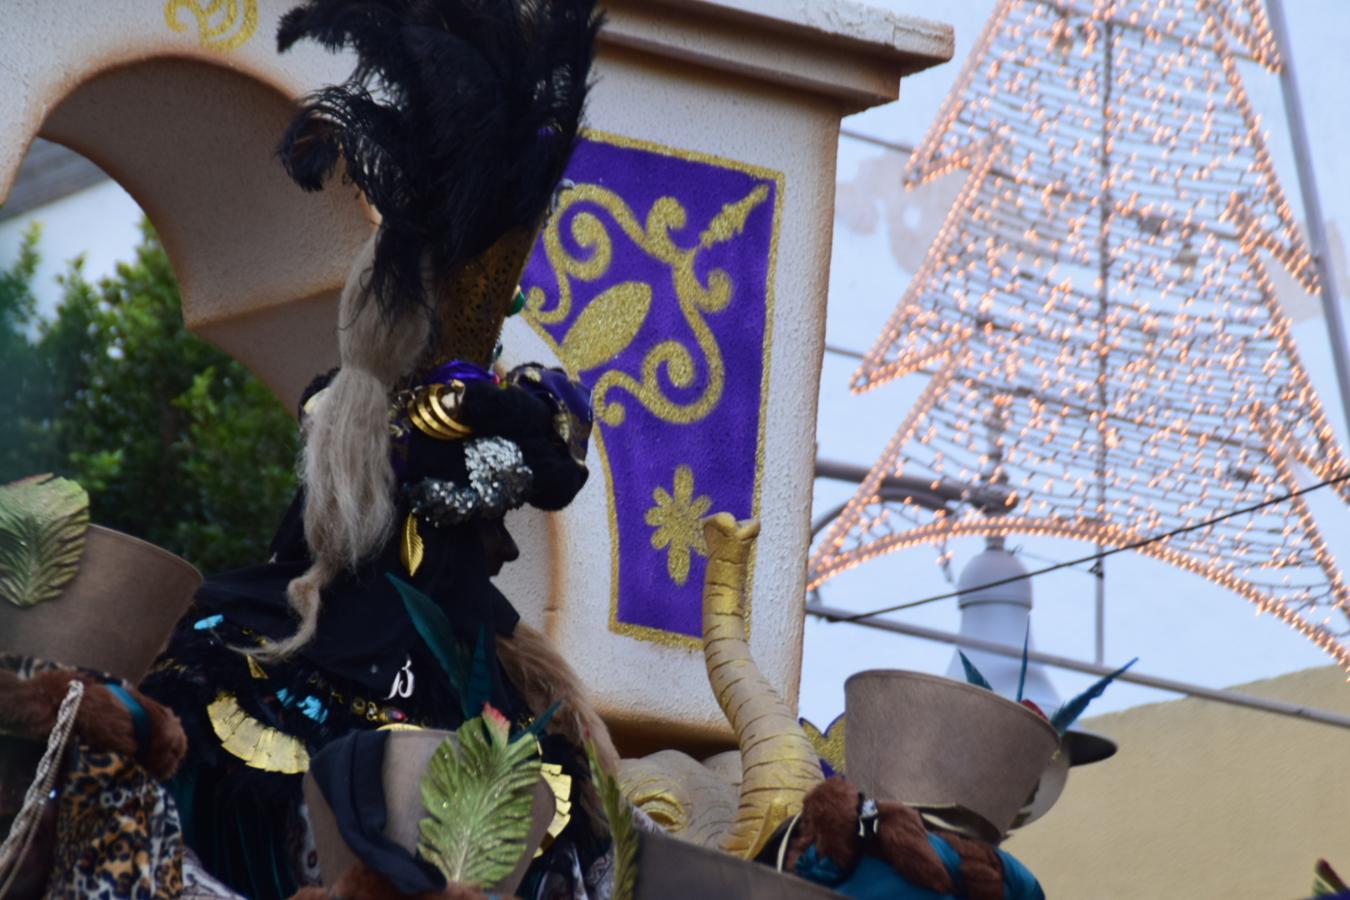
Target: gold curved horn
{"x": 779, "y": 764}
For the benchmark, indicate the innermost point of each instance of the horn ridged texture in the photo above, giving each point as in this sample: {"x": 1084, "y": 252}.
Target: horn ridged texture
{"x": 779, "y": 765}
{"x": 456, "y": 124}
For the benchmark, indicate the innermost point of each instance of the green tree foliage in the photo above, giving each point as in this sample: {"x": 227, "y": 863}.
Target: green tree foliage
{"x": 175, "y": 441}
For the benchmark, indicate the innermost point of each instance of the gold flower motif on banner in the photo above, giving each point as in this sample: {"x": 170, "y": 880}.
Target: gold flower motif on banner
{"x": 678, "y": 521}
{"x": 222, "y": 25}
{"x": 610, "y": 323}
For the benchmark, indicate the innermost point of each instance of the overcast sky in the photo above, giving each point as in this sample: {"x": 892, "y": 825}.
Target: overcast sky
{"x": 1180, "y": 625}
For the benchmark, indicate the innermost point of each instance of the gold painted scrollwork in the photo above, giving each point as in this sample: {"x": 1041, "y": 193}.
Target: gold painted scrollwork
{"x": 611, "y": 322}
{"x": 222, "y": 25}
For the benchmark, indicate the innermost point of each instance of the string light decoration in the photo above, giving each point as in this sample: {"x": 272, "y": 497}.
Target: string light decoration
{"x": 1104, "y": 343}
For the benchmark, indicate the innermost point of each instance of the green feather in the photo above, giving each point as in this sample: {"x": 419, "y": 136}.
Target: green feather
{"x": 1067, "y": 714}
{"x": 479, "y": 792}
{"x": 42, "y": 526}
{"x": 622, "y": 828}
{"x": 973, "y": 675}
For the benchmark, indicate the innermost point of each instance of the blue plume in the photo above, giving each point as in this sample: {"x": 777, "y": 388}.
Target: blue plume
{"x": 538, "y": 725}
{"x": 973, "y": 674}
{"x": 1067, "y": 714}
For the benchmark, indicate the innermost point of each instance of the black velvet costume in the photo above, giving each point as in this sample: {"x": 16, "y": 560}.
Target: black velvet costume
{"x": 456, "y": 124}
{"x": 368, "y": 666}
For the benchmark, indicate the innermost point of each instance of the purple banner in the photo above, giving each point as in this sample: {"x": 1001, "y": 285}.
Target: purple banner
{"x": 654, "y": 281}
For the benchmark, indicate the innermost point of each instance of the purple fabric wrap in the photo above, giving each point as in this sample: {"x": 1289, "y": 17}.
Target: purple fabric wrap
{"x": 454, "y": 370}
{"x": 458, "y": 370}
{"x": 683, "y": 450}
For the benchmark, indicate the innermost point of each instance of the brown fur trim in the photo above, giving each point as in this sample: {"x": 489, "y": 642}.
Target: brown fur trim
{"x": 168, "y": 743}
{"x": 28, "y": 708}
{"x": 364, "y": 883}
{"x": 534, "y": 665}
{"x": 981, "y": 869}
{"x": 830, "y": 821}
{"x": 902, "y": 841}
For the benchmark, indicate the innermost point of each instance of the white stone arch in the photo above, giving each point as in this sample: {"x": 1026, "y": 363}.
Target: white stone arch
{"x": 188, "y": 130}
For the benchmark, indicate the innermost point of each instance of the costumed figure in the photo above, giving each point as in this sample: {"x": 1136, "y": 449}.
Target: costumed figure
{"x": 456, "y": 125}
{"x": 83, "y": 613}
{"x": 937, "y": 772}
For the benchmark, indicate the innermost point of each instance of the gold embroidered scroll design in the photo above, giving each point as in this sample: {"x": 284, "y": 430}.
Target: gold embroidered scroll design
{"x": 610, "y": 323}
{"x": 222, "y": 25}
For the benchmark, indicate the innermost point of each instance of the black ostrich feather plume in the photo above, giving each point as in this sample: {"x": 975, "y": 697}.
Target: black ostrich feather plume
{"x": 456, "y": 124}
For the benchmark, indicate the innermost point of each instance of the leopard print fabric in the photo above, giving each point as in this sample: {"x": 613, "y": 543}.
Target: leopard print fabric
{"x": 118, "y": 834}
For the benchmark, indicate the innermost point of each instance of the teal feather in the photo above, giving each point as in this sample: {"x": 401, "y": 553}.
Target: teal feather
{"x": 433, "y": 626}
{"x": 973, "y": 675}
{"x": 538, "y": 725}
{"x": 1067, "y": 714}
{"x": 479, "y": 689}
{"x": 469, "y": 676}
{"x": 1022, "y": 676}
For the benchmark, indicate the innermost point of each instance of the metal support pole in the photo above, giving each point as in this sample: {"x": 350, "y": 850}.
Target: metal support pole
{"x": 1232, "y": 698}
{"x": 1105, "y": 210}
{"x": 1312, "y": 204}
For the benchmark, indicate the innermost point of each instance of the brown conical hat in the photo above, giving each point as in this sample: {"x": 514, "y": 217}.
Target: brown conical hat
{"x": 406, "y": 757}
{"x": 117, "y": 614}
{"x": 940, "y": 745}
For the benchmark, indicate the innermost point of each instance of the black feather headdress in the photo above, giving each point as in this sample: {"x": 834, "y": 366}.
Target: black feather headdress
{"x": 456, "y": 124}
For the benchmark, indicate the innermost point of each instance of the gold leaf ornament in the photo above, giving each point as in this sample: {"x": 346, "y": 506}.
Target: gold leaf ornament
{"x": 606, "y": 327}
{"x": 560, "y": 784}
{"x": 259, "y": 746}
{"x": 43, "y": 521}
{"x": 411, "y": 548}
{"x": 479, "y": 793}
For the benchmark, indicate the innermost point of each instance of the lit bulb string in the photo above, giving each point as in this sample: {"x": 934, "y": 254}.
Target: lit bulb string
{"x": 1194, "y": 387}
{"x": 1094, "y": 557}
